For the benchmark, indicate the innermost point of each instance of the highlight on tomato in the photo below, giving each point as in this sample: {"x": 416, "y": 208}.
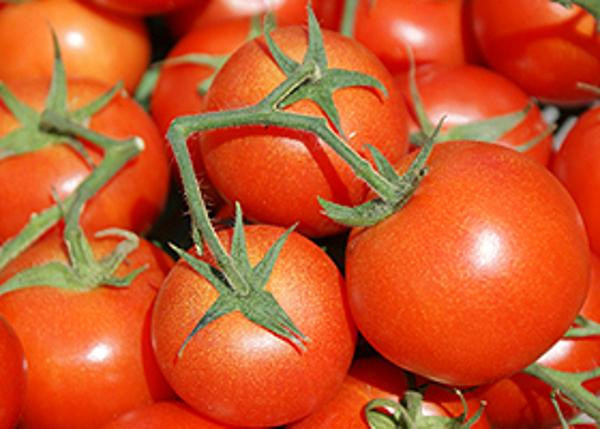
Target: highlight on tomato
{"x": 96, "y": 44}
{"x": 459, "y": 285}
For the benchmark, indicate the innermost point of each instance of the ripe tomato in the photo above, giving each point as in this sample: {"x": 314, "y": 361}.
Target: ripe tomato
{"x": 522, "y": 401}
{"x": 235, "y": 371}
{"x": 143, "y": 7}
{"x": 13, "y": 370}
{"x": 287, "y": 12}
{"x": 465, "y": 94}
{"x": 89, "y": 353}
{"x": 276, "y": 174}
{"x": 577, "y": 164}
{"x": 435, "y": 30}
{"x": 95, "y": 44}
{"x": 375, "y": 378}
{"x": 162, "y": 415}
{"x": 132, "y": 200}
{"x": 542, "y": 46}
{"x": 459, "y": 284}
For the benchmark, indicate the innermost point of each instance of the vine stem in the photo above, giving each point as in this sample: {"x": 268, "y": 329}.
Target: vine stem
{"x": 349, "y": 18}
{"x": 116, "y": 155}
{"x": 571, "y": 386}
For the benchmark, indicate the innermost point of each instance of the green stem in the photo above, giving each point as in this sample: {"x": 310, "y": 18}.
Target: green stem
{"x": 570, "y": 385}
{"x": 349, "y": 18}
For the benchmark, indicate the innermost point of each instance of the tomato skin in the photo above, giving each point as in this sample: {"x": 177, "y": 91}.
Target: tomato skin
{"x": 132, "y": 200}
{"x": 542, "y": 46}
{"x": 495, "y": 245}
{"x": 161, "y": 415}
{"x": 522, "y": 401}
{"x": 469, "y": 93}
{"x": 576, "y": 165}
{"x": 95, "y": 44}
{"x": 376, "y": 378}
{"x": 143, "y": 7}
{"x": 237, "y": 372}
{"x": 92, "y": 360}
{"x": 13, "y": 373}
{"x": 281, "y": 172}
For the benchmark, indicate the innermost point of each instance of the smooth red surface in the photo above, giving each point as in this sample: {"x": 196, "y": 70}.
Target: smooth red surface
{"x": 468, "y": 93}
{"x": 237, "y": 372}
{"x": 577, "y": 165}
{"x": 478, "y": 274}
{"x": 89, "y": 354}
{"x": 13, "y": 373}
{"x": 522, "y": 401}
{"x": 540, "y": 45}
{"x": 144, "y": 7}
{"x": 95, "y": 44}
{"x": 376, "y": 378}
{"x": 132, "y": 200}
{"x": 277, "y": 174}
{"x": 163, "y": 415}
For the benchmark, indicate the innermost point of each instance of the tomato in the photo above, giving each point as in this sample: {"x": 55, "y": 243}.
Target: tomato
{"x": 276, "y": 174}
{"x": 435, "y": 30}
{"x": 94, "y": 43}
{"x": 523, "y": 401}
{"x": 13, "y": 373}
{"x": 161, "y": 415}
{"x": 478, "y": 274}
{"x": 287, "y": 12}
{"x": 542, "y": 46}
{"x": 465, "y": 94}
{"x": 89, "y": 353}
{"x": 576, "y": 165}
{"x": 235, "y": 371}
{"x": 132, "y": 200}
{"x": 143, "y": 7}
{"x": 375, "y": 378}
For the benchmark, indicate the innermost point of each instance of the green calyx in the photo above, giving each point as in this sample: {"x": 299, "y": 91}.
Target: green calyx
{"x": 592, "y": 6}
{"x": 388, "y": 414}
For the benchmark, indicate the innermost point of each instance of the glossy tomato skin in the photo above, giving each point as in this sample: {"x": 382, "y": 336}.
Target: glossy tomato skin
{"x": 89, "y": 353}
{"x": 281, "y": 172}
{"x": 162, "y": 415}
{"x": 542, "y": 46}
{"x": 94, "y": 43}
{"x": 237, "y": 372}
{"x": 132, "y": 200}
{"x": 465, "y": 94}
{"x": 143, "y": 7}
{"x": 287, "y": 12}
{"x": 576, "y": 164}
{"x": 496, "y": 245}
{"x": 13, "y": 373}
{"x": 375, "y": 378}
{"x": 522, "y": 401}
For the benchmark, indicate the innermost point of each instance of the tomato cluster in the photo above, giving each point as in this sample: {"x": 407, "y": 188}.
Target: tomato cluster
{"x": 326, "y": 214}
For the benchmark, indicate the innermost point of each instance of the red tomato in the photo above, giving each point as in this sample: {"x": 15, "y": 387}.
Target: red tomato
{"x": 577, "y": 165}
{"x": 132, "y": 200}
{"x": 459, "y": 284}
{"x": 13, "y": 373}
{"x": 89, "y": 353}
{"x": 287, "y": 12}
{"x": 375, "y": 378}
{"x": 276, "y": 174}
{"x": 435, "y": 30}
{"x": 465, "y": 94}
{"x": 523, "y": 401}
{"x": 542, "y": 46}
{"x": 163, "y": 415}
{"x": 95, "y": 44}
{"x": 143, "y": 7}
{"x": 237, "y": 372}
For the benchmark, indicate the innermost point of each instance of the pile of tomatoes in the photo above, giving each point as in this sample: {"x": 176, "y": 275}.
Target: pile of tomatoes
{"x": 417, "y": 181}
